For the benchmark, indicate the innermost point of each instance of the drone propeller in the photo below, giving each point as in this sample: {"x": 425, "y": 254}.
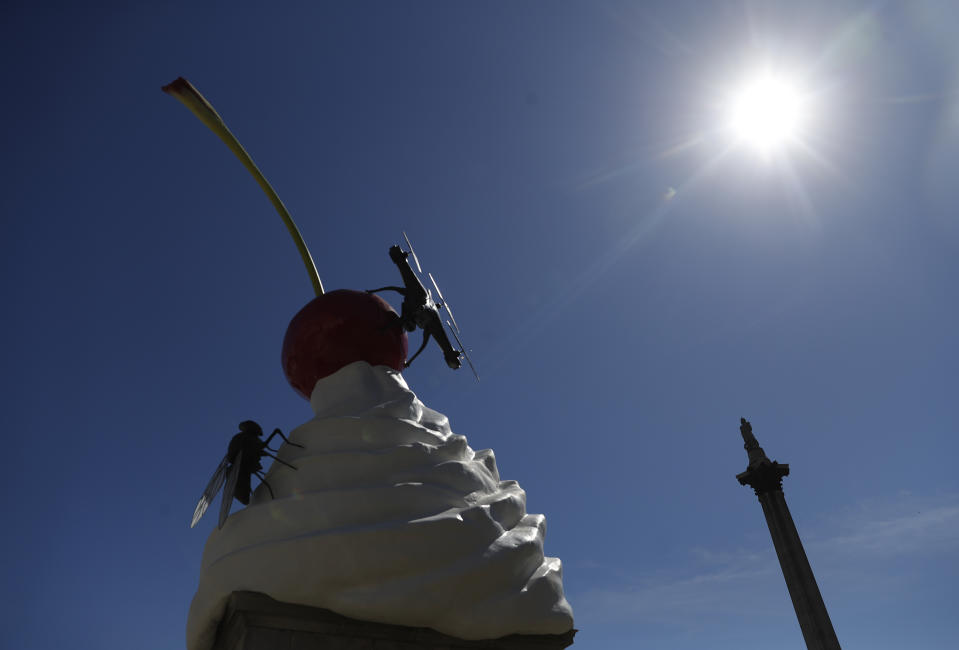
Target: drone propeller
{"x": 443, "y": 302}
{"x": 413, "y": 253}
{"x": 463, "y": 349}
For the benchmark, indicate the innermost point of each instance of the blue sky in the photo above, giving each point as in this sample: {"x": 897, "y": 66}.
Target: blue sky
{"x": 631, "y": 282}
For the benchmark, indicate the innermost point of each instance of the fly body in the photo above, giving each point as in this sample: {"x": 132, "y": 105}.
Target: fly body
{"x": 241, "y": 462}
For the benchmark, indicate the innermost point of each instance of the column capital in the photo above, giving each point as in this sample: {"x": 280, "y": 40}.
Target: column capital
{"x": 762, "y": 475}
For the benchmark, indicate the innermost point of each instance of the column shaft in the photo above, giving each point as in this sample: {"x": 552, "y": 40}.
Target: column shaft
{"x": 810, "y": 609}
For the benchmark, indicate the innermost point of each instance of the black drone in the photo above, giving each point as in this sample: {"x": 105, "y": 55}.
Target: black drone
{"x": 420, "y": 310}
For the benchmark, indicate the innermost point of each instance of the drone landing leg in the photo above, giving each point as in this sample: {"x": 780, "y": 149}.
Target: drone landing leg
{"x": 426, "y": 339}
{"x": 399, "y": 290}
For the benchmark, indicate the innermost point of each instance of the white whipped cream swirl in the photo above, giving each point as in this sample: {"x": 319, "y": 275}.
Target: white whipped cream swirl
{"x": 389, "y": 517}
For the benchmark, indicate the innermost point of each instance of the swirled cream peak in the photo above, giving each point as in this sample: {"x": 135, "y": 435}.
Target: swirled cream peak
{"x": 389, "y": 517}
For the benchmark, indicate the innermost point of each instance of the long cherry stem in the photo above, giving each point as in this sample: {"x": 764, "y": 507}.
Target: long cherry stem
{"x": 190, "y": 97}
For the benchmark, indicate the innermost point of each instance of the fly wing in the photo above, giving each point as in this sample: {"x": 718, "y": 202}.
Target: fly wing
{"x": 230, "y": 488}
{"x": 216, "y": 482}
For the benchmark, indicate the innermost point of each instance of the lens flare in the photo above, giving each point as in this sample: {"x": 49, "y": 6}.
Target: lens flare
{"x": 767, "y": 113}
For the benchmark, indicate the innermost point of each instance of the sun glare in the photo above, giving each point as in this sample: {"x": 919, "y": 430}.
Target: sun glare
{"x": 766, "y": 113}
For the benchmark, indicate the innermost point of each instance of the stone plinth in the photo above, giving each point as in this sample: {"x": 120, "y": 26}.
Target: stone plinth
{"x": 254, "y": 621}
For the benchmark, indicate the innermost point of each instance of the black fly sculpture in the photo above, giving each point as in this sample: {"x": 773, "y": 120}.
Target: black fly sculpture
{"x": 420, "y": 310}
{"x": 241, "y": 462}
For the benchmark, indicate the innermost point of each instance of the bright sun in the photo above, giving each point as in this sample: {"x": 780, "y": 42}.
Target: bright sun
{"x": 767, "y": 113}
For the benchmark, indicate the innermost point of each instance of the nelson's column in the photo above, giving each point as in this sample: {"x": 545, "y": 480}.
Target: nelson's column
{"x": 766, "y": 478}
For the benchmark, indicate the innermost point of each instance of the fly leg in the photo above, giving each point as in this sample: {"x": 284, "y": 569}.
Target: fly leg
{"x": 277, "y": 432}
{"x": 426, "y": 339}
{"x": 266, "y": 453}
{"x": 263, "y": 481}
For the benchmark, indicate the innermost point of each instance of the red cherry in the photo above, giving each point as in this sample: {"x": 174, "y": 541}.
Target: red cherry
{"x": 336, "y": 329}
